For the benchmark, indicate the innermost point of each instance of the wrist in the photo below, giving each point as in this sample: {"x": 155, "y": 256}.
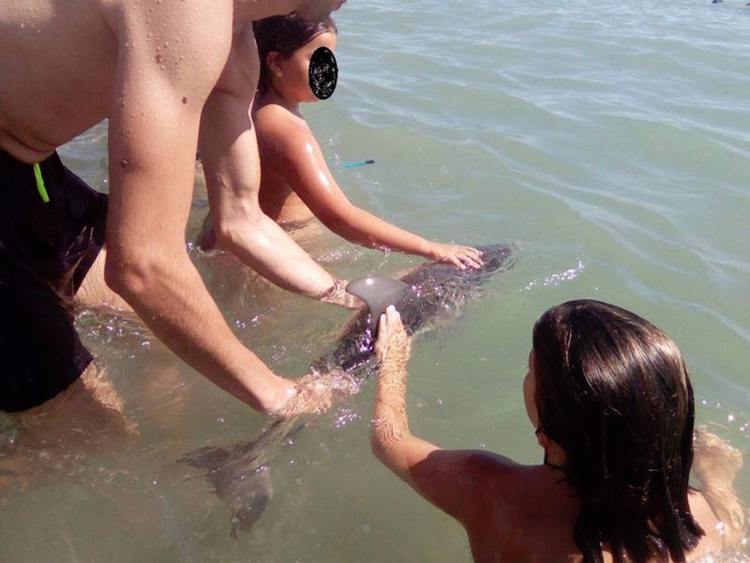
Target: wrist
{"x": 430, "y": 250}
{"x": 338, "y": 295}
{"x": 277, "y": 395}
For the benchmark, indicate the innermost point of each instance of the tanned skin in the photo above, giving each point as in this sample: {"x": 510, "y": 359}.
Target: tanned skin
{"x": 150, "y": 68}
{"x": 505, "y": 507}
{"x": 296, "y": 184}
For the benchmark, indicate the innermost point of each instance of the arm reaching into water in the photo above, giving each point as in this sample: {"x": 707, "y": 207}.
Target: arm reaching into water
{"x": 446, "y": 478}
{"x": 229, "y": 152}
{"x": 716, "y": 464}
{"x": 292, "y": 152}
{"x": 153, "y": 131}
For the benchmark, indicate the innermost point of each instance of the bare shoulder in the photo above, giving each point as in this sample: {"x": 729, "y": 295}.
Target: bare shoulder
{"x": 515, "y": 490}
{"x": 516, "y": 504}
{"x": 495, "y": 474}
{"x": 275, "y": 119}
{"x": 187, "y": 42}
{"x": 281, "y": 130}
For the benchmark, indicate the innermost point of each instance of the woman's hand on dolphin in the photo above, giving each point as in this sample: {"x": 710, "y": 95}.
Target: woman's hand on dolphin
{"x": 393, "y": 345}
{"x": 456, "y": 254}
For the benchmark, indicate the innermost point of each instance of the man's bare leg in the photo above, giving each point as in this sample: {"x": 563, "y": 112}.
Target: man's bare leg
{"x": 95, "y": 293}
{"x": 86, "y": 417}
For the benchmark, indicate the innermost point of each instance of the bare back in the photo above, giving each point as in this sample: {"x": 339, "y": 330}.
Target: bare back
{"x": 526, "y": 515}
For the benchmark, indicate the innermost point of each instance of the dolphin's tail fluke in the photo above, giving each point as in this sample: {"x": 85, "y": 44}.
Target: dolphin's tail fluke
{"x": 239, "y": 473}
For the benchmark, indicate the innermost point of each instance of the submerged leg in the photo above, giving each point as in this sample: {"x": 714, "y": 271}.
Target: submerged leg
{"x": 94, "y": 291}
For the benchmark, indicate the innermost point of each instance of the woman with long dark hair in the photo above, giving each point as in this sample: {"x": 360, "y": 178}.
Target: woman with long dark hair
{"x": 610, "y": 399}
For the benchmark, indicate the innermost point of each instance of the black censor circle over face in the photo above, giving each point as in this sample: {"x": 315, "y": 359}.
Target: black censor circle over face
{"x": 323, "y": 73}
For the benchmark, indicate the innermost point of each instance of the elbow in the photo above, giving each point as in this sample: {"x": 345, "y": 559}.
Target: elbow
{"x": 377, "y": 446}
{"x": 226, "y": 233}
{"x": 130, "y": 276}
{"x": 383, "y": 440}
{"x": 229, "y": 231}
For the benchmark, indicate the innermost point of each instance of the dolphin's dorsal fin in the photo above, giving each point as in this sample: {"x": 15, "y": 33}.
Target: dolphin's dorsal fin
{"x": 378, "y": 293}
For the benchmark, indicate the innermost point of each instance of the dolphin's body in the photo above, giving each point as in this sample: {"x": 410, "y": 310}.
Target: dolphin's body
{"x": 436, "y": 292}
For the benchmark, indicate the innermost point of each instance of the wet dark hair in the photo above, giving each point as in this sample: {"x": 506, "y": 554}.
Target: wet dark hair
{"x": 613, "y": 391}
{"x": 285, "y": 34}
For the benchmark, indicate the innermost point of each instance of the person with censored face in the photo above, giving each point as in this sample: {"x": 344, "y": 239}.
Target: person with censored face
{"x": 298, "y": 66}
{"x": 164, "y": 74}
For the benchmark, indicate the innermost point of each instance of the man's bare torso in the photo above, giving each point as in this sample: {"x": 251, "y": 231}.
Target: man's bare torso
{"x": 57, "y": 60}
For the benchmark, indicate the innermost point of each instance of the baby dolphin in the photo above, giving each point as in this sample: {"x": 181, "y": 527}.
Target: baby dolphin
{"x": 426, "y": 297}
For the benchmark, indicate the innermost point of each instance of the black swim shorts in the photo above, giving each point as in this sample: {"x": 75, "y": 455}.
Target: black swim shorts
{"x": 46, "y": 248}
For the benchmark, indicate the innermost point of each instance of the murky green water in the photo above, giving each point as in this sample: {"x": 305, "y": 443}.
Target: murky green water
{"x": 610, "y": 140}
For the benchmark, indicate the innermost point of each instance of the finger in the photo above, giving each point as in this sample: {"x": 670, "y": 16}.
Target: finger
{"x": 397, "y": 319}
{"x": 469, "y": 256}
{"x": 382, "y": 330}
{"x": 476, "y": 254}
{"x": 471, "y": 261}
{"x": 473, "y": 253}
{"x": 456, "y": 261}
{"x": 394, "y": 322}
{"x": 465, "y": 261}
{"x": 392, "y": 318}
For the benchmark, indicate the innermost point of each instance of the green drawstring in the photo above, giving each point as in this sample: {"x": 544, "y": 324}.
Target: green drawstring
{"x": 40, "y": 184}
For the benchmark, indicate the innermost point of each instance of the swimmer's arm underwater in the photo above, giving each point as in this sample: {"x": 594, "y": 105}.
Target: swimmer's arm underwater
{"x": 446, "y": 478}
{"x": 229, "y": 152}
{"x": 153, "y": 130}
{"x": 295, "y": 155}
{"x": 716, "y": 464}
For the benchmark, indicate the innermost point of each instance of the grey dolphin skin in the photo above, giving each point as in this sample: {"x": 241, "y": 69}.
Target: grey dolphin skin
{"x": 432, "y": 293}
{"x": 378, "y": 292}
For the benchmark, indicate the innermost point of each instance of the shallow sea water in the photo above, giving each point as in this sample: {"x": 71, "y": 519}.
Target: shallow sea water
{"x": 609, "y": 140}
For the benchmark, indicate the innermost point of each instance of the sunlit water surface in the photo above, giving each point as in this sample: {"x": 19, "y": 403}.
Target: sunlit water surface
{"x": 609, "y": 140}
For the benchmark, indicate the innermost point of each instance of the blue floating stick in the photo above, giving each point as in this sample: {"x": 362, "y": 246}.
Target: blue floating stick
{"x": 358, "y": 163}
